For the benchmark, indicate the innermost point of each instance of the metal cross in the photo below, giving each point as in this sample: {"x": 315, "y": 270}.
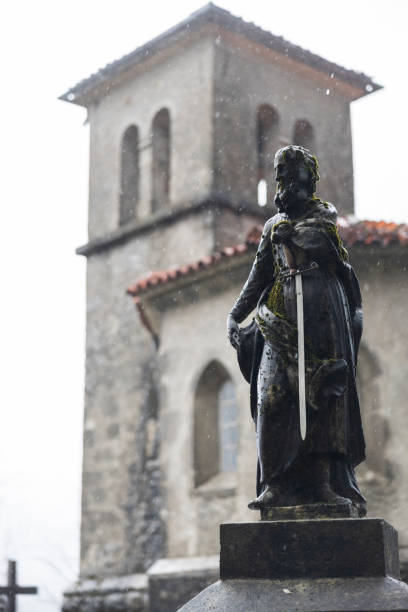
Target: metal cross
{"x": 12, "y": 589}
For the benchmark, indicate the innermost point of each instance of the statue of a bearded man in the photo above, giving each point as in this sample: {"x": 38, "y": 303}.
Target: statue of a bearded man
{"x": 317, "y": 465}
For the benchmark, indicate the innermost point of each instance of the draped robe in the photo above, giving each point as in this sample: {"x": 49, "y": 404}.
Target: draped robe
{"x": 268, "y": 349}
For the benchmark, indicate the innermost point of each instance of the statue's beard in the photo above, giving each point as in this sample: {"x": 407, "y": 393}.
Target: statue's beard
{"x": 292, "y": 198}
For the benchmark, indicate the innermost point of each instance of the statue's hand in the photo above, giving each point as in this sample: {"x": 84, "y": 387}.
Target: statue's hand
{"x": 282, "y": 231}
{"x": 233, "y": 331}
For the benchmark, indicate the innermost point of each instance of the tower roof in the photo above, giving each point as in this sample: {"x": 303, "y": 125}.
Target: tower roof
{"x": 94, "y": 86}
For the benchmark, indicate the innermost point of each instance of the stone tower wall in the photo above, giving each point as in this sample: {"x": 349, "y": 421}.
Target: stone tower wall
{"x": 247, "y": 77}
{"x": 182, "y": 83}
{"x": 121, "y": 528}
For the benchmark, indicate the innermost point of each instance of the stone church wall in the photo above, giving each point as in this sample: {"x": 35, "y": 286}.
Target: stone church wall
{"x": 383, "y": 375}
{"x": 199, "y": 509}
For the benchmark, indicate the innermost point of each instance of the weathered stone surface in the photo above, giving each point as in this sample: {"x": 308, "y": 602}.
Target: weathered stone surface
{"x": 168, "y": 585}
{"x": 318, "y": 595}
{"x": 172, "y": 582}
{"x": 120, "y": 594}
{"x": 307, "y": 566}
{"x": 310, "y": 549}
{"x": 310, "y": 511}
{"x": 110, "y": 603}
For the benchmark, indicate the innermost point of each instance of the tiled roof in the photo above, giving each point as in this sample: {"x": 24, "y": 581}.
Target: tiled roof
{"x": 372, "y": 232}
{"x": 165, "y": 276}
{"x": 351, "y": 231}
{"x": 218, "y": 16}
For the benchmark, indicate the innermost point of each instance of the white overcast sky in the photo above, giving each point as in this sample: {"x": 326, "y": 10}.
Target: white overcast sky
{"x": 46, "y": 47}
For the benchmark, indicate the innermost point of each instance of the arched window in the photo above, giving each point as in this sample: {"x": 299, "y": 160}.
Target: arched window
{"x": 129, "y": 175}
{"x": 267, "y": 125}
{"x": 161, "y": 160}
{"x": 215, "y": 424}
{"x": 303, "y": 135}
{"x": 227, "y": 427}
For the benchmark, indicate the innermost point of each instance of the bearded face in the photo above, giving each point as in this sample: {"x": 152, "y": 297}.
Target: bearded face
{"x": 295, "y": 181}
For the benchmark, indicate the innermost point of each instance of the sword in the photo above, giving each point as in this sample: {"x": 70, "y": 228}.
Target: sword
{"x": 301, "y": 334}
{"x": 301, "y": 354}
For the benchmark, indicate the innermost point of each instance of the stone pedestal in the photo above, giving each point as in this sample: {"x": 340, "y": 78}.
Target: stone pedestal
{"x": 319, "y": 565}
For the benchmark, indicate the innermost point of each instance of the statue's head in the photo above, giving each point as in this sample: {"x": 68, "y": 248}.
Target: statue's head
{"x": 296, "y": 172}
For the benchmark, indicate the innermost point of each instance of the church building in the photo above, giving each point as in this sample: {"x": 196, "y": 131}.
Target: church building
{"x": 183, "y": 132}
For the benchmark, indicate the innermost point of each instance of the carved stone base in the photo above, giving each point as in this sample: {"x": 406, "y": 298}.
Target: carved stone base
{"x": 339, "y": 565}
{"x": 310, "y": 511}
{"x": 309, "y": 549}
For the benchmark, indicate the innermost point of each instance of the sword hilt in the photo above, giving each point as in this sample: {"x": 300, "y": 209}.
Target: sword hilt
{"x": 313, "y": 266}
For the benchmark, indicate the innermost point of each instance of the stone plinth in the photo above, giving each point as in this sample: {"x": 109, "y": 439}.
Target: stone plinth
{"x": 322, "y": 565}
{"x": 312, "y": 549}
{"x": 309, "y": 511}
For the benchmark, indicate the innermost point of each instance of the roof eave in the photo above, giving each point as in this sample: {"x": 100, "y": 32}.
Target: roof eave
{"x": 93, "y": 87}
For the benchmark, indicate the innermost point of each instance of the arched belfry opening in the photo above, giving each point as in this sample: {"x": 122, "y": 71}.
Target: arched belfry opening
{"x": 161, "y": 160}
{"x": 267, "y": 128}
{"x": 129, "y": 175}
{"x": 215, "y": 424}
{"x": 303, "y": 135}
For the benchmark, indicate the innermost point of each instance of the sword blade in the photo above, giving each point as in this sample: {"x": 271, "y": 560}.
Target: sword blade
{"x": 301, "y": 355}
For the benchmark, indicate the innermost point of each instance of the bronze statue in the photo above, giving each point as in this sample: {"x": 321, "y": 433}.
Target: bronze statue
{"x": 300, "y": 352}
